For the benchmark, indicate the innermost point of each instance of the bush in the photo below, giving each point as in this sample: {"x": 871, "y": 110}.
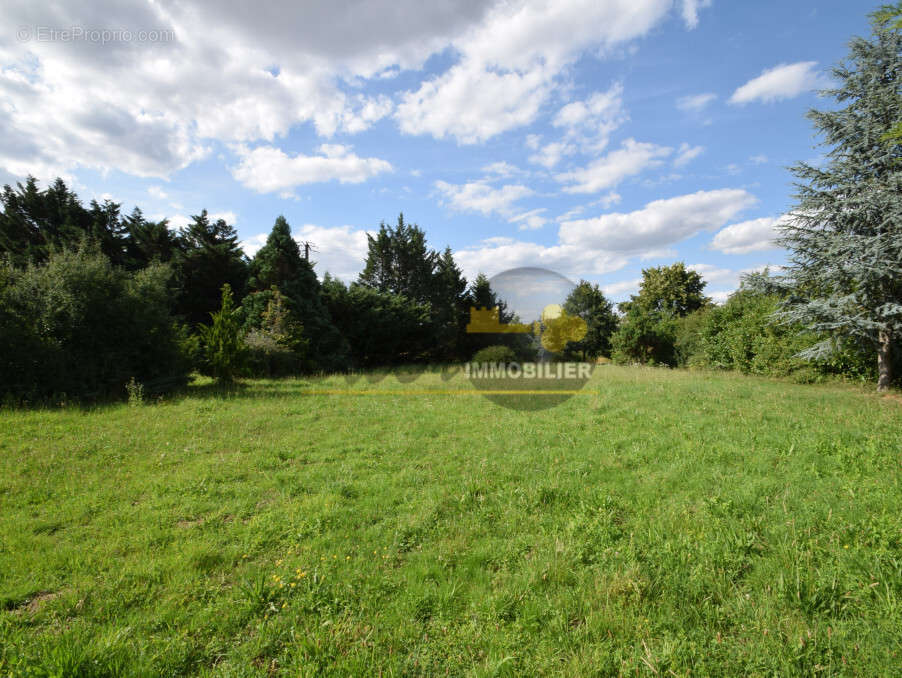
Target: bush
{"x": 644, "y": 337}
{"x": 688, "y": 341}
{"x": 223, "y": 341}
{"x": 276, "y": 346}
{"x": 495, "y": 354}
{"x": 77, "y": 326}
{"x": 741, "y": 335}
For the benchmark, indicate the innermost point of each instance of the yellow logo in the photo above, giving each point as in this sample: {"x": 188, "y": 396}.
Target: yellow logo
{"x": 555, "y": 330}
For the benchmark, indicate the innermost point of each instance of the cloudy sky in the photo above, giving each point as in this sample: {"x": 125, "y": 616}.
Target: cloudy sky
{"x": 591, "y": 137}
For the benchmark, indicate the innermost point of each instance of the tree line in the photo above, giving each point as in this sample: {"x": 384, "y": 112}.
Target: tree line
{"x": 91, "y": 299}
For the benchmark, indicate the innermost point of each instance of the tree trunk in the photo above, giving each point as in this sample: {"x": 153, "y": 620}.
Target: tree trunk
{"x": 884, "y": 361}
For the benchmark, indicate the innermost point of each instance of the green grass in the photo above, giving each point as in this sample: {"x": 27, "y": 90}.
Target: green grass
{"x": 663, "y": 523}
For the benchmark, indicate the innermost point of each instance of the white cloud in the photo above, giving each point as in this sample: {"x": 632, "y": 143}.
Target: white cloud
{"x": 178, "y": 221}
{"x": 267, "y": 169}
{"x": 690, "y": 11}
{"x": 592, "y": 121}
{"x": 687, "y": 154}
{"x": 530, "y": 221}
{"x": 158, "y": 192}
{"x": 510, "y": 62}
{"x": 760, "y": 159}
{"x": 659, "y": 223}
{"x": 695, "y": 103}
{"x": 500, "y": 254}
{"x": 502, "y": 169}
{"x": 480, "y": 196}
{"x": 232, "y": 71}
{"x": 587, "y": 127}
{"x": 551, "y": 154}
{"x": 784, "y": 81}
{"x": 605, "y": 244}
{"x": 630, "y": 159}
{"x": 716, "y": 275}
{"x": 339, "y": 250}
{"x": 754, "y": 235}
{"x": 621, "y": 289}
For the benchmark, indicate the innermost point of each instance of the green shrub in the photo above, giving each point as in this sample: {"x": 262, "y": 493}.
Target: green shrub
{"x": 644, "y": 337}
{"x": 495, "y": 354}
{"x": 275, "y": 345}
{"x": 742, "y": 335}
{"x": 223, "y": 340}
{"x": 688, "y": 340}
{"x": 76, "y": 325}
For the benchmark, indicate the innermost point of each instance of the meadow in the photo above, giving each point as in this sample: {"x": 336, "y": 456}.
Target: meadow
{"x": 661, "y": 523}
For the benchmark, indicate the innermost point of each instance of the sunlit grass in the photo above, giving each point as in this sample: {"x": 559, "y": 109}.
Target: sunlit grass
{"x": 661, "y": 522}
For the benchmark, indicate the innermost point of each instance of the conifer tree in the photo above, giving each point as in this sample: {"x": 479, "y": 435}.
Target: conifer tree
{"x": 210, "y": 257}
{"x": 845, "y": 232}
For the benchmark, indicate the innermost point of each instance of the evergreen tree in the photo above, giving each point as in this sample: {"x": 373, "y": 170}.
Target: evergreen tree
{"x": 279, "y": 263}
{"x": 450, "y": 308}
{"x": 209, "y": 258}
{"x": 399, "y": 261}
{"x": 845, "y": 233}
{"x": 589, "y": 303}
{"x": 381, "y": 328}
{"x": 223, "y": 341}
{"x": 148, "y": 241}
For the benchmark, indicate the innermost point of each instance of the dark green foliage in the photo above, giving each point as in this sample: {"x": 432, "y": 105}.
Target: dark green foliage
{"x": 687, "y": 341}
{"x": 646, "y": 337}
{"x": 225, "y": 353}
{"x": 79, "y": 326}
{"x": 400, "y": 262}
{"x": 277, "y": 347}
{"x": 589, "y": 303}
{"x": 149, "y": 241}
{"x": 845, "y": 233}
{"x": 279, "y": 263}
{"x": 380, "y": 327}
{"x": 495, "y": 354}
{"x": 33, "y": 223}
{"x": 210, "y": 258}
{"x": 450, "y": 308}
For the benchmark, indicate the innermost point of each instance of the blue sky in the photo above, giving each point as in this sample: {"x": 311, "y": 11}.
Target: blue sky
{"x": 593, "y": 138}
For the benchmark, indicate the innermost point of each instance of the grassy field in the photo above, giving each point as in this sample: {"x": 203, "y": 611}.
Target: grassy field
{"x": 661, "y": 523}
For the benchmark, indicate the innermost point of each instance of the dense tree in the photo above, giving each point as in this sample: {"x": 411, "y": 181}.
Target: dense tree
{"x": 450, "y": 306}
{"x": 647, "y": 332}
{"x": 210, "y": 257}
{"x": 845, "y": 233}
{"x": 399, "y": 261}
{"x": 34, "y": 222}
{"x": 589, "y": 303}
{"x": 148, "y": 241}
{"x": 279, "y": 264}
{"x": 381, "y": 328}
{"x": 77, "y": 325}
{"x": 670, "y": 290}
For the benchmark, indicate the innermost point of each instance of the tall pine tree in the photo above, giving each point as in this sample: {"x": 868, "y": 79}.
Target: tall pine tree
{"x": 209, "y": 258}
{"x": 845, "y": 233}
